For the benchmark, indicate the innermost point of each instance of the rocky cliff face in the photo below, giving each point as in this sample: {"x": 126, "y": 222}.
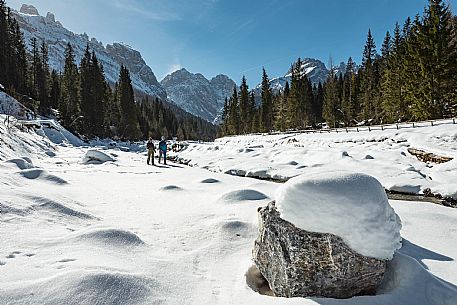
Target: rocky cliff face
{"x": 52, "y": 32}
{"x": 196, "y": 94}
{"x": 132, "y": 59}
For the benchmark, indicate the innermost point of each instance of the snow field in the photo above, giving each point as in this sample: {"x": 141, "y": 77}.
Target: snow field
{"x": 381, "y": 154}
{"x": 126, "y": 233}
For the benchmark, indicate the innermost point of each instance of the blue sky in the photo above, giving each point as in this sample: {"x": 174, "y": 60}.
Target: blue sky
{"x": 233, "y": 37}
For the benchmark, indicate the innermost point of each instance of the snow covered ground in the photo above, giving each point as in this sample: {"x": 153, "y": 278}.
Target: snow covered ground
{"x": 382, "y": 154}
{"x": 122, "y": 232}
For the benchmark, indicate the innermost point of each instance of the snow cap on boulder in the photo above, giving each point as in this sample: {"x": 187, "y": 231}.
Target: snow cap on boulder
{"x": 353, "y": 206}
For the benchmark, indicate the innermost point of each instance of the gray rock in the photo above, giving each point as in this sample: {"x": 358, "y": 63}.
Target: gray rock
{"x": 29, "y": 9}
{"x": 298, "y": 263}
{"x": 50, "y": 17}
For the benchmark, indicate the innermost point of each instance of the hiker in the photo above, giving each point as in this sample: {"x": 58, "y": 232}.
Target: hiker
{"x": 163, "y": 150}
{"x": 151, "y": 151}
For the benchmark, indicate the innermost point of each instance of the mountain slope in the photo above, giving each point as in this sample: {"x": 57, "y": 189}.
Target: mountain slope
{"x": 56, "y": 36}
{"x": 196, "y": 94}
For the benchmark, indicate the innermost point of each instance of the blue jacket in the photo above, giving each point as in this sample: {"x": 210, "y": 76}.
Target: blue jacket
{"x": 163, "y": 145}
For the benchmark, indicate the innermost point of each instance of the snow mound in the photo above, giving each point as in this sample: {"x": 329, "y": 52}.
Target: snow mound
{"x": 114, "y": 237}
{"x": 171, "y": 188}
{"x": 59, "y": 208}
{"x": 40, "y": 174}
{"x": 243, "y": 195}
{"x": 235, "y": 228}
{"x": 84, "y": 288}
{"x": 210, "y": 180}
{"x": 408, "y": 282}
{"x": 96, "y": 157}
{"x": 22, "y": 163}
{"x": 57, "y": 134}
{"x": 353, "y": 206}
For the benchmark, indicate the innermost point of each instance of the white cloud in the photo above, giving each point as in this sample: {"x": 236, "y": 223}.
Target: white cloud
{"x": 174, "y": 67}
{"x": 161, "y": 13}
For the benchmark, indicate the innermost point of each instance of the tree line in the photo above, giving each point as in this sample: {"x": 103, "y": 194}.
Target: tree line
{"x": 414, "y": 77}
{"x": 81, "y": 97}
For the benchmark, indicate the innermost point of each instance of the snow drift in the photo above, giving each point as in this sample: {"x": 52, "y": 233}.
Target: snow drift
{"x": 96, "y": 157}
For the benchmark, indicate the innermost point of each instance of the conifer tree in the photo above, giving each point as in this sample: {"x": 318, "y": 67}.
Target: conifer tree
{"x": 43, "y": 79}
{"x": 293, "y": 117}
{"x": 245, "y": 119}
{"x": 19, "y": 59}
{"x": 281, "y": 108}
{"x": 319, "y": 103}
{"x": 436, "y": 56}
{"x": 233, "y": 114}
{"x": 252, "y": 111}
{"x": 4, "y": 44}
{"x": 86, "y": 92}
{"x": 348, "y": 95}
{"x": 34, "y": 67}
{"x": 54, "y": 92}
{"x": 266, "y": 107}
{"x": 368, "y": 80}
{"x": 70, "y": 103}
{"x": 331, "y": 99}
{"x": 101, "y": 95}
{"x": 128, "y": 125}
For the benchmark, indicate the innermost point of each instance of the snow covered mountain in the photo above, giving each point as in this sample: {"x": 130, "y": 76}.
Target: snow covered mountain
{"x": 56, "y": 36}
{"x": 196, "y": 94}
{"x": 314, "y": 69}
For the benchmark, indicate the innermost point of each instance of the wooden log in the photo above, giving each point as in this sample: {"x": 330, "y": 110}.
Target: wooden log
{"x": 428, "y": 157}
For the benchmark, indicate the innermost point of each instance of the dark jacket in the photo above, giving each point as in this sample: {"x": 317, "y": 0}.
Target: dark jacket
{"x": 150, "y": 145}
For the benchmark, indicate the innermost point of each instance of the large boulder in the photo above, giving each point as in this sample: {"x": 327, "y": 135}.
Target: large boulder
{"x": 298, "y": 263}
{"x": 328, "y": 234}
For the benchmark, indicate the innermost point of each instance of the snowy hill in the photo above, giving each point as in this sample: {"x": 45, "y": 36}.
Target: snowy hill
{"x": 196, "y": 94}
{"x": 52, "y": 32}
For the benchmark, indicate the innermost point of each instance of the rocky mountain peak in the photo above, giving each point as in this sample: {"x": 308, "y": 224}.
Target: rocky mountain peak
{"x": 29, "y": 10}
{"x": 196, "y": 94}
{"x": 132, "y": 59}
{"x": 50, "y": 17}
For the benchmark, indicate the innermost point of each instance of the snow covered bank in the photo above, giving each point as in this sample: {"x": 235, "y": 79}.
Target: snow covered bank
{"x": 381, "y": 154}
{"x": 350, "y": 205}
{"x": 10, "y": 106}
